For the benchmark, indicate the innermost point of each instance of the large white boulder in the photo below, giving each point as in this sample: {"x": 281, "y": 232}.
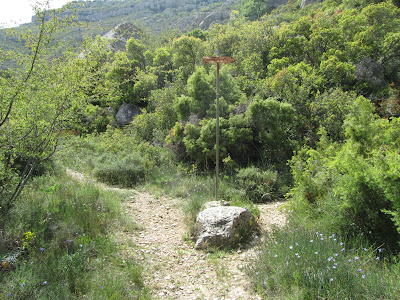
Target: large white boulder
{"x": 222, "y": 226}
{"x": 126, "y": 113}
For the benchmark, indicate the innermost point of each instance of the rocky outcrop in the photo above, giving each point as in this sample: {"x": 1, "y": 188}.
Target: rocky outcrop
{"x": 223, "y": 226}
{"x": 370, "y": 72}
{"x": 304, "y": 3}
{"x": 126, "y": 113}
{"x": 121, "y": 33}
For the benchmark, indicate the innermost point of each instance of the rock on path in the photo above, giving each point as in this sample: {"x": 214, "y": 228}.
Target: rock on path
{"x": 173, "y": 268}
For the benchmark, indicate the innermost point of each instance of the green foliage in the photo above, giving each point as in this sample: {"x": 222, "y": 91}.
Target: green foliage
{"x": 295, "y": 263}
{"x": 127, "y": 171}
{"x": 329, "y": 111}
{"x": 272, "y": 124}
{"x": 162, "y": 62}
{"x": 105, "y": 156}
{"x": 135, "y": 51}
{"x": 39, "y": 99}
{"x": 260, "y": 186}
{"x": 254, "y": 9}
{"x": 144, "y": 84}
{"x": 183, "y": 106}
{"x": 348, "y": 188}
{"x": 198, "y": 33}
{"x": 186, "y": 53}
{"x": 337, "y": 73}
{"x": 262, "y": 133}
{"x": 122, "y": 74}
{"x": 176, "y": 134}
{"x": 200, "y": 89}
{"x": 155, "y": 122}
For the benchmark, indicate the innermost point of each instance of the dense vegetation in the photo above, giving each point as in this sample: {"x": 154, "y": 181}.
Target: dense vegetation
{"x": 310, "y": 111}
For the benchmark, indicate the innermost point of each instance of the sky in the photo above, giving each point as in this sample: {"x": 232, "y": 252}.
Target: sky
{"x": 16, "y": 12}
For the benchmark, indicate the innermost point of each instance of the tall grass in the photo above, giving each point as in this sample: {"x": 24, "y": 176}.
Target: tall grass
{"x": 57, "y": 243}
{"x": 295, "y": 263}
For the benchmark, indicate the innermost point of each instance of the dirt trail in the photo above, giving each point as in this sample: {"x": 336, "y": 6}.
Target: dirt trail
{"x": 173, "y": 268}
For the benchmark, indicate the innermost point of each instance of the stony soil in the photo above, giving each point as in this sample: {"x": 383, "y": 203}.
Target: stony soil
{"x": 173, "y": 269}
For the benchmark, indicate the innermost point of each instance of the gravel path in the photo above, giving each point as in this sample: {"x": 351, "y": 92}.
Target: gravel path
{"x": 173, "y": 268}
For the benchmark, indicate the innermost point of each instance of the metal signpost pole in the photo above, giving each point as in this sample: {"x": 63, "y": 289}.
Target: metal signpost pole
{"x": 217, "y": 135}
{"x": 217, "y": 59}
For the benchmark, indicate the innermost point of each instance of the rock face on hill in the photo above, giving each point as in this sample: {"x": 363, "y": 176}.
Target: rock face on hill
{"x": 121, "y": 33}
{"x": 156, "y": 14}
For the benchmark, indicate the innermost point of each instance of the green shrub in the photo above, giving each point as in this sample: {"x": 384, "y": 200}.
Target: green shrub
{"x": 259, "y": 186}
{"x": 123, "y": 170}
{"x": 352, "y": 187}
{"x": 272, "y": 124}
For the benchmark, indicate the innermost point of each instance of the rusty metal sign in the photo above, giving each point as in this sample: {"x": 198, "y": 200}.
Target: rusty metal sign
{"x": 218, "y": 60}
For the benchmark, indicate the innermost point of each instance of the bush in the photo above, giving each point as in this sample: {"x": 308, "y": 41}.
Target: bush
{"x": 126, "y": 170}
{"x": 351, "y": 187}
{"x": 260, "y": 186}
{"x": 272, "y": 124}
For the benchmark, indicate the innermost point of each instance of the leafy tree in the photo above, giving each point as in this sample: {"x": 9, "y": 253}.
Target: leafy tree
{"x": 145, "y": 82}
{"x": 121, "y": 73}
{"x": 135, "y": 51}
{"x": 201, "y": 92}
{"x": 39, "y": 100}
{"x": 329, "y": 111}
{"x": 254, "y": 9}
{"x": 187, "y": 51}
{"x": 198, "y": 33}
{"x": 272, "y": 122}
{"x": 162, "y": 63}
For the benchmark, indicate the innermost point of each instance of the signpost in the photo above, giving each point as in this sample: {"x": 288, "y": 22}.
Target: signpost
{"x": 217, "y": 60}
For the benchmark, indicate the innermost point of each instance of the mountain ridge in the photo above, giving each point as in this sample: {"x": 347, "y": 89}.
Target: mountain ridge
{"x": 157, "y": 15}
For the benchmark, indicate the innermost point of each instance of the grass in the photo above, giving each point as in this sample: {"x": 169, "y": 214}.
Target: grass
{"x": 57, "y": 243}
{"x": 295, "y": 263}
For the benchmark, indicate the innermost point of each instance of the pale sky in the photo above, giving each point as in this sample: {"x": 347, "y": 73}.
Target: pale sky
{"x": 15, "y": 12}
